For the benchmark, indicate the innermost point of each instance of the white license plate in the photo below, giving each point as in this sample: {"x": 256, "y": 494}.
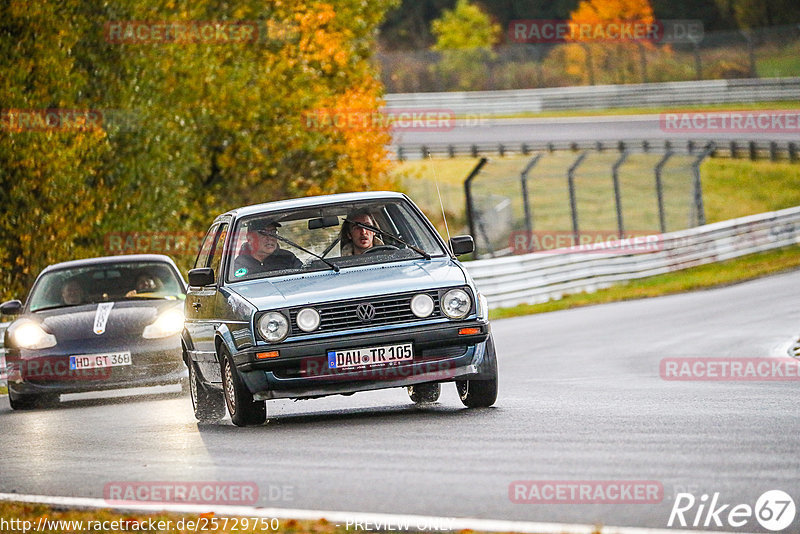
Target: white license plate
{"x": 95, "y": 361}
{"x": 369, "y": 357}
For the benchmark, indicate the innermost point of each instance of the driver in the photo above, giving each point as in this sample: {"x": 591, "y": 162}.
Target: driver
{"x": 261, "y": 253}
{"x": 357, "y": 239}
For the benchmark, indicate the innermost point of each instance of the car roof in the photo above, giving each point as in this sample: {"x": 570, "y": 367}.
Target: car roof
{"x": 310, "y": 202}
{"x": 111, "y": 259}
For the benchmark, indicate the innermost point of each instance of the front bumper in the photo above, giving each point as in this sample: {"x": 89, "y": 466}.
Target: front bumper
{"x": 440, "y": 354}
{"x": 155, "y": 362}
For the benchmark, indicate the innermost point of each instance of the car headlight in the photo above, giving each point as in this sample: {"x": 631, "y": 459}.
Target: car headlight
{"x": 30, "y": 335}
{"x": 456, "y": 304}
{"x": 273, "y": 327}
{"x": 308, "y": 319}
{"x": 167, "y": 324}
{"x": 422, "y": 305}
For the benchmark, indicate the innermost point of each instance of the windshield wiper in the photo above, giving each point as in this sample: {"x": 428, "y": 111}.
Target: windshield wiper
{"x": 391, "y": 236}
{"x": 326, "y": 262}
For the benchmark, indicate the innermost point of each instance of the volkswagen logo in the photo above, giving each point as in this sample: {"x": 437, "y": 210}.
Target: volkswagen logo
{"x": 365, "y": 312}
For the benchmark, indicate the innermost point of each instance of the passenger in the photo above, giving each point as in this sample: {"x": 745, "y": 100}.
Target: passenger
{"x": 358, "y": 239}
{"x": 262, "y": 253}
{"x": 72, "y": 293}
{"x": 145, "y": 283}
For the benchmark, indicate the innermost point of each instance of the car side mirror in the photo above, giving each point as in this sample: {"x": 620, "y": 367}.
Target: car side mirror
{"x": 11, "y": 307}
{"x": 462, "y": 244}
{"x": 202, "y": 276}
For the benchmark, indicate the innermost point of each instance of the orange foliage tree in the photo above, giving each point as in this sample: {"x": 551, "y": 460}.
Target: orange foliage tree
{"x": 609, "y": 40}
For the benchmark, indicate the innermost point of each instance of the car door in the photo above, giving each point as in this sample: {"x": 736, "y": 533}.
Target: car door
{"x": 200, "y": 316}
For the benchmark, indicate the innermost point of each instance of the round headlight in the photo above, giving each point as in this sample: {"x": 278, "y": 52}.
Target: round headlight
{"x": 273, "y": 327}
{"x": 308, "y": 319}
{"x": 422, "y": 305}
{"x": 456, "y": 304}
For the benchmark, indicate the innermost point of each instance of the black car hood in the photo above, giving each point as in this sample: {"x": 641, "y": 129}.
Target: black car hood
{"x": 125, "y": 319}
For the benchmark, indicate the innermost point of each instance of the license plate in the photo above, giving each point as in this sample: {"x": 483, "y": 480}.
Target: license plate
{"x": 370, "y": 357}
{"x": 95, "y": 361}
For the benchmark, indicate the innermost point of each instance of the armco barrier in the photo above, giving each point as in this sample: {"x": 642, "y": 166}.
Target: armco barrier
{"x": 602, "y": 96}
{"x": 539, "y": 277}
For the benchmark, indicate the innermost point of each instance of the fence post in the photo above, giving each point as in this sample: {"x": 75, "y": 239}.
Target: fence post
{"x": 662, "y": 221}
{"x": 573, "y": 203}
{"x": 698, "y": 186}
{"x": 617, "y": 194}
{"x": 468, "y": 195}
{"x": 523, "y": 177}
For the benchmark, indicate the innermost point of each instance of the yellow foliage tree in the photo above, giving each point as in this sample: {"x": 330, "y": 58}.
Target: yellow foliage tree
{"x": 608, "y": 45}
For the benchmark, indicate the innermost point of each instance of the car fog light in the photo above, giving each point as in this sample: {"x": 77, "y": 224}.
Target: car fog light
{"x": 273, "y": 327}
{"x": 308, "y": 319}
{"x": 422, "y": 305}
{"x": 456, "y": 304}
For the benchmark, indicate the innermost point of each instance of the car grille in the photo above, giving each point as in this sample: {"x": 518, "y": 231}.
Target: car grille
{"x": 343, "y": 315}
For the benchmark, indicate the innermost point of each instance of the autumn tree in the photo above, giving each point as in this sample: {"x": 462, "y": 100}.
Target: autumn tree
{"x": 465, "y": 36}
{"x": 189, "y": 129}
{"x": 597, "y": 50}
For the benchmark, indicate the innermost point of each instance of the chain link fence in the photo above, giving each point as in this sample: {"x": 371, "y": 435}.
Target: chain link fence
{"x": 547, "y": 201}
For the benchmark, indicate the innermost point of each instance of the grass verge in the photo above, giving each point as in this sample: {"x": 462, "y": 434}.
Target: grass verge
{"x": 3, "y": 390}
{"x": 701, "y": 277}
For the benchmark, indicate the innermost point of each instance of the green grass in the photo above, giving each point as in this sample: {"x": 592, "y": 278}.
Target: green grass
{"x": 3, "y": 390}
{"x": 702, "y": 277}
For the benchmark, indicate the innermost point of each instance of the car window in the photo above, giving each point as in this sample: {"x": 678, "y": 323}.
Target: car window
{"x": 206, "y": 248}
{"x": 311, "y": 239}
{"x": 218, "y": 249}
{"x": 104, "y": 283}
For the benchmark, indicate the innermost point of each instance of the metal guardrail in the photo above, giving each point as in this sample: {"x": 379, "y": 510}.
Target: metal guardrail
{"x": 732, "y": 148}
{"x": 543, "y": 276}
{"x": 648, "y": 95}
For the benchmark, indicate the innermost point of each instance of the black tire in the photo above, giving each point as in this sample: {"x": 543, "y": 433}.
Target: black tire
{"x": 208, "y": 403}
{"x": 422, "y": 393}
{"x": 243, "y": 409}
{"x": 481, "y": 393}
{"x": 28, "y": 402}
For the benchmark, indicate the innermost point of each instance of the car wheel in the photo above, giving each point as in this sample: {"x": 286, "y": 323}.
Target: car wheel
{"x": 421, "y": 393}
{"x": 481, "y": 393}
{"x": 243, "y": 409}
{"x": 208, "y": 403}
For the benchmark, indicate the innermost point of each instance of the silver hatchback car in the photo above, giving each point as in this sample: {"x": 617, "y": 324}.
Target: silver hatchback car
{"x": 332, "y": 295}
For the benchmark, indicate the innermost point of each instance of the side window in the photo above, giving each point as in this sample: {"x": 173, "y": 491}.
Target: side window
{"x": 219, "y": 249}
{"x": 206, "y": 248}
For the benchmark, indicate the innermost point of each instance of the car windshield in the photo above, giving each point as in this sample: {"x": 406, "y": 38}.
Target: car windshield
{"x": 105, "y": 282}
{"x": 329, "y": 237}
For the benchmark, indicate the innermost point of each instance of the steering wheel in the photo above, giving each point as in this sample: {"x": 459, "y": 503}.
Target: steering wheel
{"x": 380, "y": 248}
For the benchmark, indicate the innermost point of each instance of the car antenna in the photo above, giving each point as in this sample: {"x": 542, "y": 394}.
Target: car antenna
{"x": 436, "y": 181}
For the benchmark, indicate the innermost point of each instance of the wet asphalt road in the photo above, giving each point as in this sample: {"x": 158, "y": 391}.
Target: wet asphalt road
{"x": 580, "y": 399}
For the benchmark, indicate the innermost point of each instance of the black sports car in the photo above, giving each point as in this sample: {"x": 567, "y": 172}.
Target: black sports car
{"x": 101, "y": 323}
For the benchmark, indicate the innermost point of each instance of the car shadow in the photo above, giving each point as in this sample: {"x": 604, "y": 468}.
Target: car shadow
{"x": 395, "y": 414}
